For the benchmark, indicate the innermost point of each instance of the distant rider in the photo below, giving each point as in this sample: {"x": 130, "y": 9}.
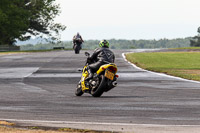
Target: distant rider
{"x": 76, "y": 38}
{"x": 101, "y": 56}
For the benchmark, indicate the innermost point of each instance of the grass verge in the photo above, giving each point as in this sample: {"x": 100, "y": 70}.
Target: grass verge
{"x": 7, "y": 127}
{"x": 188, "y": 48}
{"x": 28, "y": 51}
{"x": 45, "y": 50}
{"x": 180, "y": 64}
{"x": 5, "y": 53}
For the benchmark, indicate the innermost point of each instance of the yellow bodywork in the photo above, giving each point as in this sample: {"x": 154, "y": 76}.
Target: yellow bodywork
{"x": 85, "y": 74}
{"x": 83, "y": 77}
{"x": 103, "y": 67}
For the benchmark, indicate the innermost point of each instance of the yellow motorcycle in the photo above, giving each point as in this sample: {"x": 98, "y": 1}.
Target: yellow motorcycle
{"x": 103, "y": 80}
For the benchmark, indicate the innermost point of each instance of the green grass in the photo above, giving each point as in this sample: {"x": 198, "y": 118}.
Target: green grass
{"x": 192, "y": 48}
{"x": 46, "y": 50}
{"x": 181, "y": 64}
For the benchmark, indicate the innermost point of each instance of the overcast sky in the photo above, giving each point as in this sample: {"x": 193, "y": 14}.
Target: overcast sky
{"x": 129, "y": 19}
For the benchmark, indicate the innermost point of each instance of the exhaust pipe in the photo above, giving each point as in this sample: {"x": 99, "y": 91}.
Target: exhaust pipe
{"x": 114, "y": 83}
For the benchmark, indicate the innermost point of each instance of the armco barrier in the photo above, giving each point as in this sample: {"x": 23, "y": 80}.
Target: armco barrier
{"x": 58, "y": 47}
{"x": 9, "y": 48}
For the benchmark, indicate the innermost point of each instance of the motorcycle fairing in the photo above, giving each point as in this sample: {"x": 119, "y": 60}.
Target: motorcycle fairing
{"x": 83, "y": 77}
{"x": 103, "y": 67}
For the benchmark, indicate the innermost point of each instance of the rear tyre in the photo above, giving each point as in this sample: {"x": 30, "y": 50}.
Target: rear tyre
{"x": 79, "y": 91}
{"x": 97, "y": 92}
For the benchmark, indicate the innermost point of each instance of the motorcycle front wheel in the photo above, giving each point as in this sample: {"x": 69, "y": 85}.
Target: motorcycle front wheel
{"x": 77, "y": 49}
{"x": 78, "y": 91}
{"x": 98, "y": 91}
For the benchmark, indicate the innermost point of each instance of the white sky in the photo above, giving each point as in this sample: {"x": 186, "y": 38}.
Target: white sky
{"x": 129, "y": 19}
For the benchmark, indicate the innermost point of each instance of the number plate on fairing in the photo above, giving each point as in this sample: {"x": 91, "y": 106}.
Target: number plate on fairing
{"x": 109, "y": 75}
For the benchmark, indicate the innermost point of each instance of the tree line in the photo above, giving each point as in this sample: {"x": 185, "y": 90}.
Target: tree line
{"x": 116, "y": 44}
{"x": 21, "y": 19}
{"x": 195, "y": 41}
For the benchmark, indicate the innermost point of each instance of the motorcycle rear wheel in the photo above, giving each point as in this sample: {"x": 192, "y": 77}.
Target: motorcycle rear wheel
{"x": 97, "y": 92}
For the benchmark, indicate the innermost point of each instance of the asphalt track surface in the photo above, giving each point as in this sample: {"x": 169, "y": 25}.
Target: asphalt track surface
{"x": 38, "y": 88}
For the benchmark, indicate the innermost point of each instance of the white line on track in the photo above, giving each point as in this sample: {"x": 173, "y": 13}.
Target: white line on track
{"x": 95, "y": 123}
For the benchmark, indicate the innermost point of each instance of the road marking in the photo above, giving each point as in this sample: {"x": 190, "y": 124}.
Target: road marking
{"x": 95, "y": 123}
{"x": 28, "y": 88}
{"x": 20, "y": 72}
{"x": 58, "y": 75}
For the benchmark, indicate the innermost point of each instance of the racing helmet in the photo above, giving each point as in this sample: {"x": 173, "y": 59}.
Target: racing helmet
{"x": 104, "y": 43}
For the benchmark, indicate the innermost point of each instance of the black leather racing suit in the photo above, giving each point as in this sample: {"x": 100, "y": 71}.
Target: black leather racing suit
{"x": 101, "y": 56}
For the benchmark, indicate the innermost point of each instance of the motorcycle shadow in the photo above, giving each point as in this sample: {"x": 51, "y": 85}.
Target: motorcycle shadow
{"x": 123, "y": 97}
{"x": 111, "y": 97}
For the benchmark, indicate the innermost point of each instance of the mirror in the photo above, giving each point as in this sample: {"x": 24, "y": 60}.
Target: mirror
{"x": 87, "y": 54}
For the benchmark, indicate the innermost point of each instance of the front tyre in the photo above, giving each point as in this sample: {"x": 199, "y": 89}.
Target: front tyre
{"x": 78, "y": 91}
{"x": 98, "y": 91}
{"x": 77, "y": 49}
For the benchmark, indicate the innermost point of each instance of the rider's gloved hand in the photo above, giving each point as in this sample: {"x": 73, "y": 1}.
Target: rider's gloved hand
{"x": 89, "y": 60}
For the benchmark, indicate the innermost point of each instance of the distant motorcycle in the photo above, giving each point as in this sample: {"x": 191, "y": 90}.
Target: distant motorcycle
{"x": 77, "y": 45}
{"x": 103, "y": 80}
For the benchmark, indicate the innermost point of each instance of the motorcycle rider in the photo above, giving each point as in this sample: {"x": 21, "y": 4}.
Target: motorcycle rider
{"x": 76, "y": 37}
{"x": 101, "y": 56}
